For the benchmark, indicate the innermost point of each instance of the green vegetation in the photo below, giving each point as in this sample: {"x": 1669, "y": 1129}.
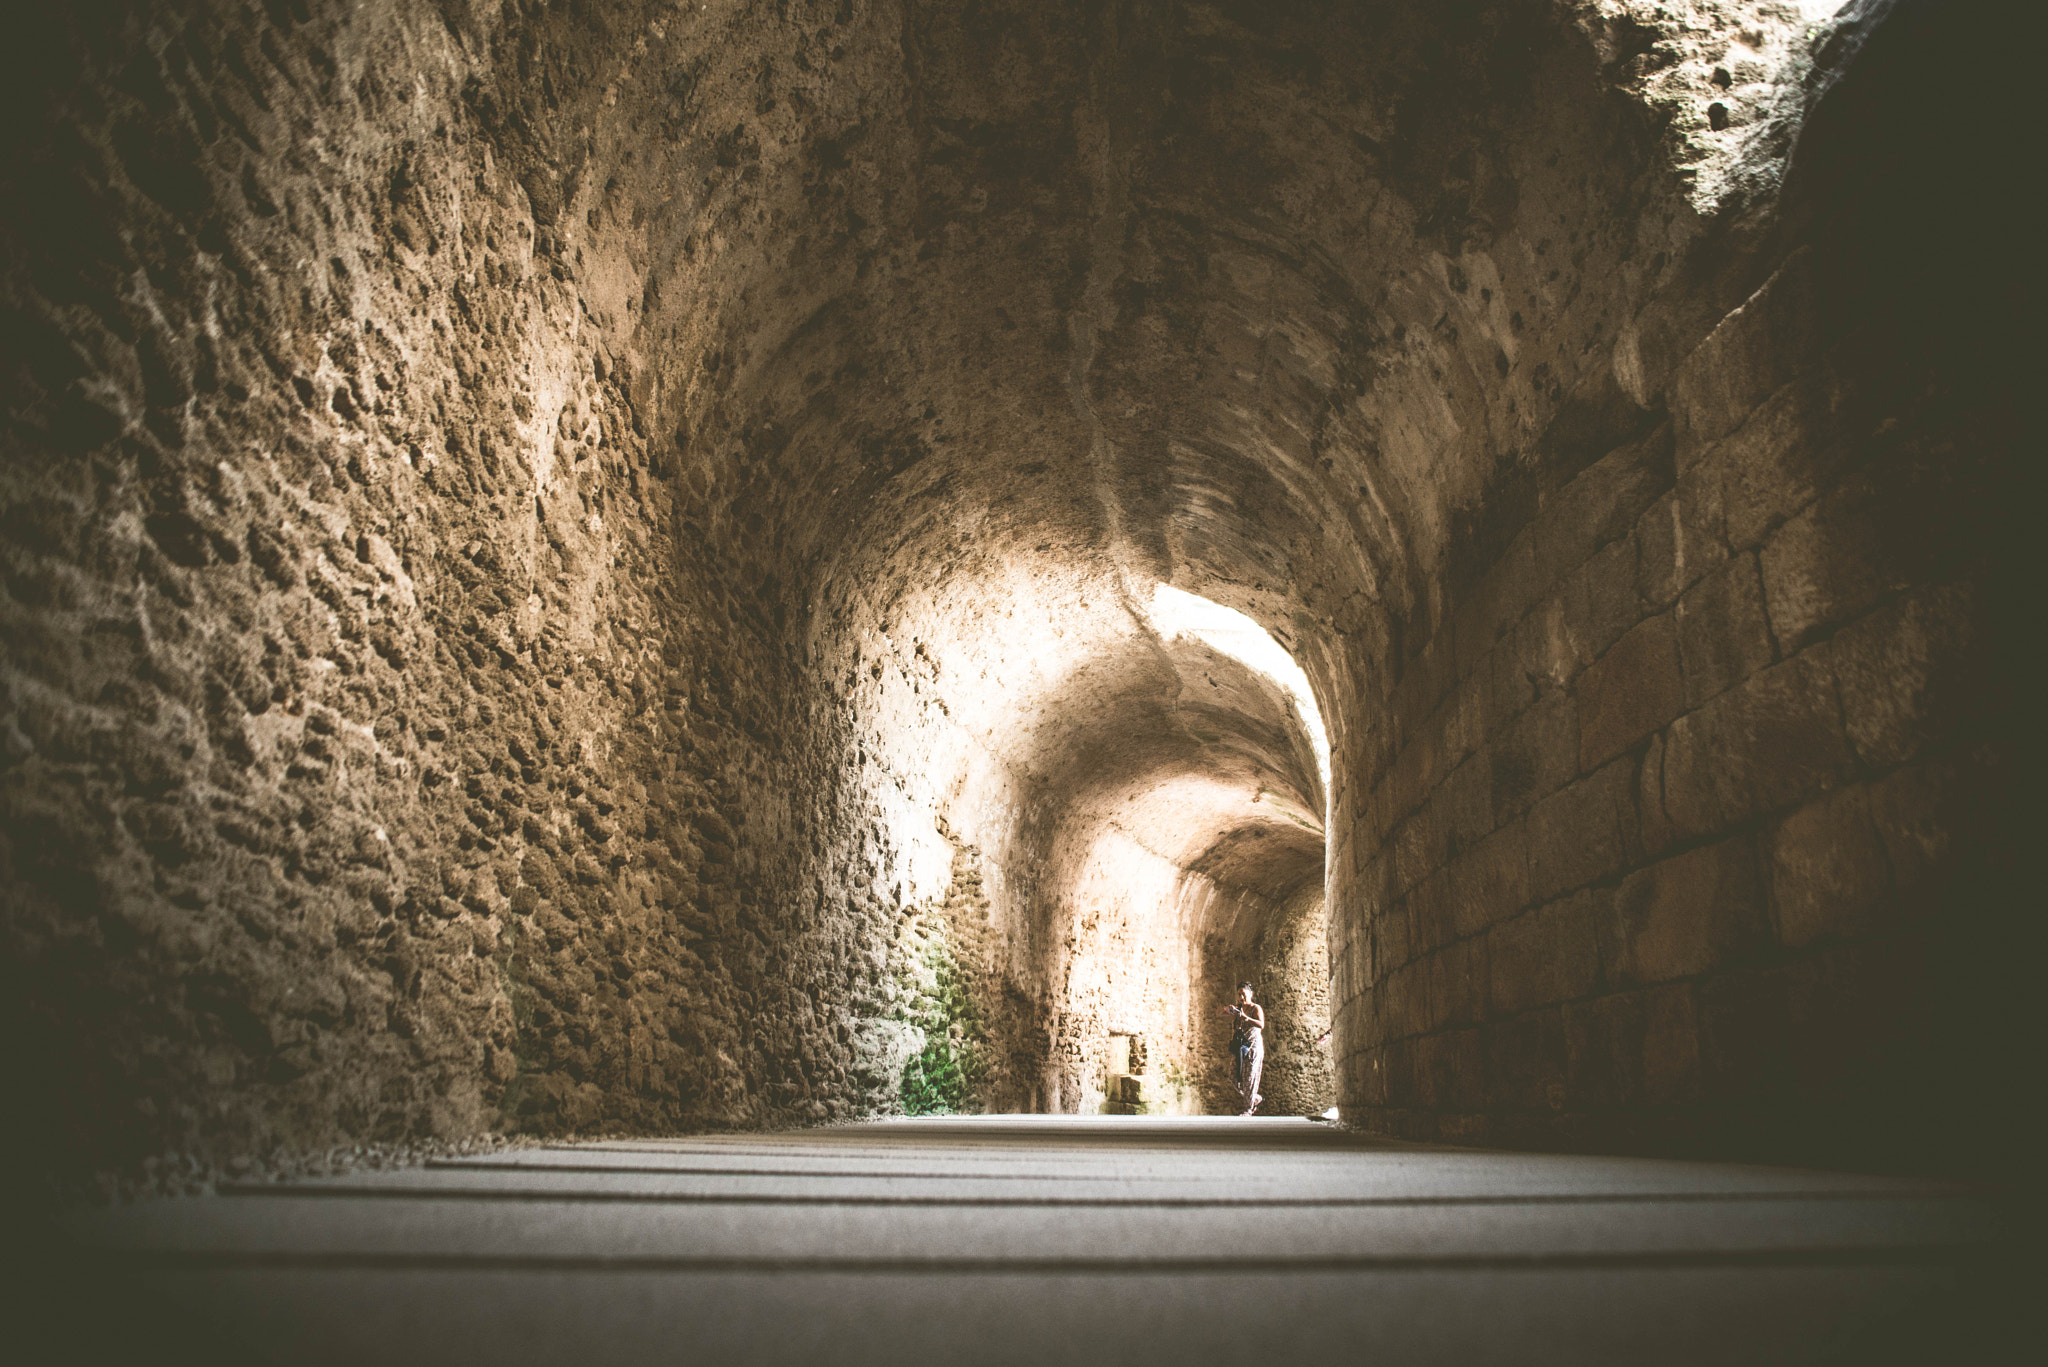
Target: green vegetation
{"x": 1174, "y": 1079}
{"x": 939, "y": 1079}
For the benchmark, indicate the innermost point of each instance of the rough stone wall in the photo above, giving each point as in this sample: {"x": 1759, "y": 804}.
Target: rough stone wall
{"x": 1292, "y": 963}
{"x": 1123, "y": 968}
{"x": 386, "y": 755}
{"x": 1705, "y": 793}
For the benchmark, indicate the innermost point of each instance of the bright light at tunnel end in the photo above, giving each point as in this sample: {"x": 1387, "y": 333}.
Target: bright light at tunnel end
{"x": 1175, "y": 612}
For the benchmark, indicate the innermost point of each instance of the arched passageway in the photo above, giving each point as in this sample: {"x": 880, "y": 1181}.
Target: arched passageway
{"x": 580, "y": 568}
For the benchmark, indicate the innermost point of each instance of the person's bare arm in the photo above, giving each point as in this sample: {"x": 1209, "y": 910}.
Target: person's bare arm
{"x": 1256, "y": 1014}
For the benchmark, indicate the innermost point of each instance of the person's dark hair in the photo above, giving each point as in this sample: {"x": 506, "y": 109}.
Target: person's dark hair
{"x": 1242, "y": 986}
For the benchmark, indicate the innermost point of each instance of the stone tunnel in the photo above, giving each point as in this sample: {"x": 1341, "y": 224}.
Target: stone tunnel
{"x": 632, "y": 568}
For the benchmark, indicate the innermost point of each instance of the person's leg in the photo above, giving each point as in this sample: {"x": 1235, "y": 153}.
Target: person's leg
{"x": 1256, "y": 1070}
{"x": 1242, "y": 1055}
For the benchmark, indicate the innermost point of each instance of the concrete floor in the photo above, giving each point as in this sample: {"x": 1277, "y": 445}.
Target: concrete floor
{"x": 1052, "y": 1239}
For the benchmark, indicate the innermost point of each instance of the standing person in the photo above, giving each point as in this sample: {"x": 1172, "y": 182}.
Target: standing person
{"x": 1248, "y": 1044}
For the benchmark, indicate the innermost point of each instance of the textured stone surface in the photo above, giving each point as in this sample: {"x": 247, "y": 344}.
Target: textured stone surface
{"x": 596, "y": 568}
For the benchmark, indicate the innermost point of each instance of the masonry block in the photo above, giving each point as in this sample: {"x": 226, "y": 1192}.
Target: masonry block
{"x": 1829, "y": 874}
{"x": 1402, "y": 789}
{"x": 1550, "y": 954}
{"x": 1511, "y": 688}
{"x": 1397, "y": 1064}
{"x": 1526, "y": 1061}
{"x": 1921, "y": 813}
{"x": 1771, "y": 741}
{"x": 1458, "y": 984}
{"x": 1601, "y": 601}
{"x": 1465, "y": 805}
{"x": 1490, "y": 881}
{"x": 1752, "y": 353}
{"x": 1550, "y": 656}
{"x": 1490, "y": 607}
{"x": 1745, "y": 1030}
{"x": 1539, "y": 755}
{"x": 1403, "y": 994}
{"x": 1782, "y": 457}
{"x": 1576, "y": 834}
{"x": 1392, "y": 938}
{"x": 1430, "y": 912}
{"x": 1914, "y": 673}
{"x": 1600, "y": 504}
{"x": 1685, "y": 916}
{"x": 1833, "y": 560}
{"x": 1369, "y": 1077}
{"x": 1450, "y": 1070}
{"x": 1680, "y": 537}
{"x": 1371, "y": 880}
{"x": 1629, "y": 692}
{"x": 1414, "y": 851}
{"x": 1723, "y": 636}
{"x": 1655, "y": 833}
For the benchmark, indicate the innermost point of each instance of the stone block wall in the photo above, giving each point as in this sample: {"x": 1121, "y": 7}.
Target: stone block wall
{"x": 1699, "y": 810}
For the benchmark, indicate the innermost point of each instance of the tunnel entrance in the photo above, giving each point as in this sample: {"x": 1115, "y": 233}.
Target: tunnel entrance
{"x": 1096, "y": 807}
{"x": 1183, "y": 852}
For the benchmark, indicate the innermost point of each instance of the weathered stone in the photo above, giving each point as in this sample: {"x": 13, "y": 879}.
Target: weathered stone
{"x": 1680, "y": 537}
{"x": 1922, "y": 813}
{"x": 1511, "y": 689}
{"x": 1492, "y": 607}
{"x": 1432, "y": 912}
{"x": 1543, "y": 956}
{"x": 1600, "y": 601}
{"x": 1769, "y": 742}
{"x": 1655, "y": 832}
{"x": 1781, "y": 457}
{"x": 1841, "y": 555}
{"x": 1578, "y": 835}
{"x": 1450, "y": 1070}
{"x": 1688, "y": 915}
{"x": 1723, "y": 636}
{"x": 1600, "y": 505}
{"x": 1829, "y": 874}
{"x": 1537, "y": 756}
{"x": 1755, "y": 350}
{"x": 1629, "y": 692}
{"x": 1491, "y": 880}
{"x": 1526, "y": 1061}
{"x": 1465, "y": 805}
{"x": 1459, "y": 984}
{"x": 1914, "y": 673}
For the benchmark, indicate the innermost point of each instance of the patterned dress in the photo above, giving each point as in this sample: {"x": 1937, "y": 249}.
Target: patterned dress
{"x": 1249, "y": 1045}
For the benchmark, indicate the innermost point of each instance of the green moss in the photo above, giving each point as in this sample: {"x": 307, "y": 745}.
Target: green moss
{"x": 939, "y": 1078}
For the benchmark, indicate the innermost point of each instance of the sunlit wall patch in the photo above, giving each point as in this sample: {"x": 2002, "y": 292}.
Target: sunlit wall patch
{"x": 1175, "y": 612}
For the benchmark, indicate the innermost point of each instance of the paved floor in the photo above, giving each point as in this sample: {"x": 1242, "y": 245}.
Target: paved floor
{"x": 1055, "y": 1239}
